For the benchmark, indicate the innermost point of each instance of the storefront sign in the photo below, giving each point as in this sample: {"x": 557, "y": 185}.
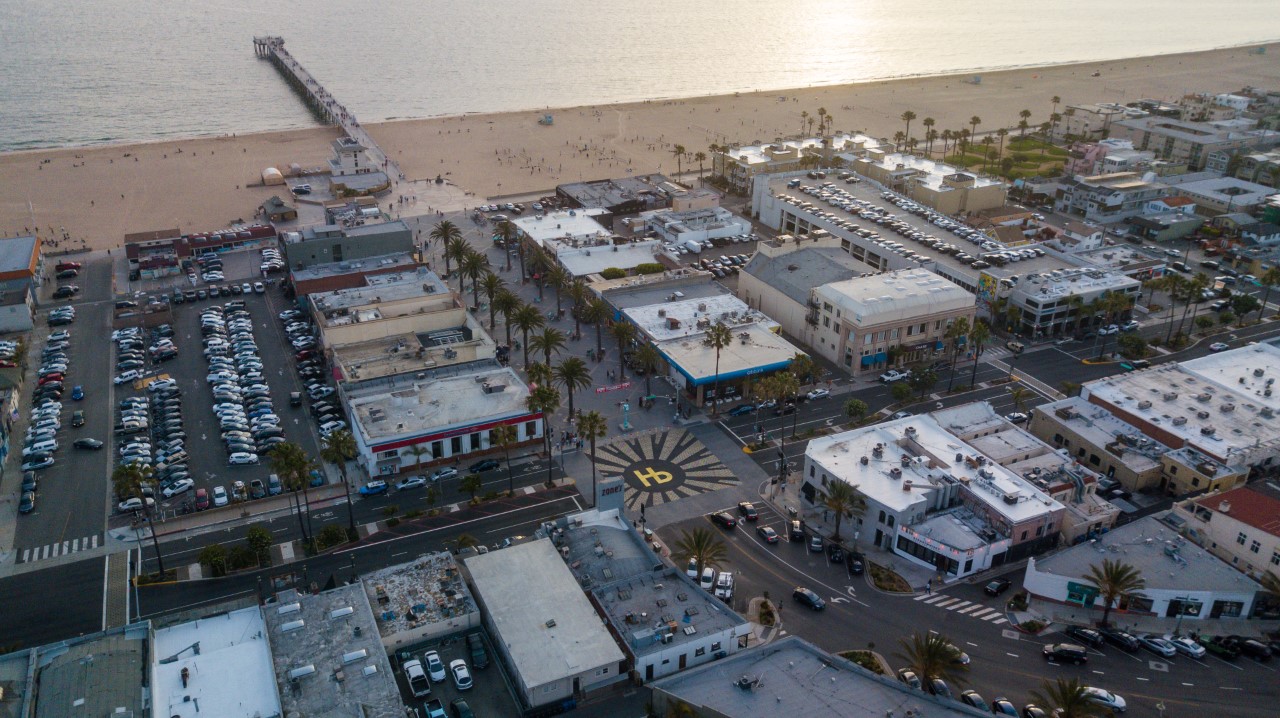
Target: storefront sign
{"x": 613, "y": 387}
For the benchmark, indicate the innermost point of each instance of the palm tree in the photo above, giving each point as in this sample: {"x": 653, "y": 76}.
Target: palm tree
{"x": 898, "y": 140}
{"x": 579, "y": 293}
{"x": 127, "y": 480}
{"x": 455, "y": 249}
{"x": 540, "y": 374}
{"x": 978, "y": 338}
{"x": 559, "y": 279}
{"x": 507, "y": 231}
{"x": 471, "y": 483}
{"x": 1191, "y": 293}
{"x": 293, "y": 466}
{"x": 1114, "y": 579}
{"x": 718, "y": 337}
{"x": 1056, "y": 101}
{"x": 624, "y": 333}
{"x": 492, "y": 284}
{"x": 843, "y": 500}
{"x": 804, "y": 368}
{"x": 503, "y": 436}
{"x": 526, "y": 319}
{"x": 444, "y": 233}
{"x": 1066, "y": 699}
{"x": 1269, "y": 279}
{"x": 1069, "y": 388}
{"x": 592, "y": 426}
{"x": 679, "y": 151}
{"x": 933, "y": 655}
{"x": 549, "y": 340}
{"x": 958, "y": 333}
{"x": 929, "y": 134}
{"x": 856, "y": 409}
{"x": 572, "y": 374}
{"x": 506, "y": 303}
{"x": 647, "y": 358}
{"x": 700, "y": 157}
{"x": 907, "y": 117}
{"x": 702, "y": 547}
{"x": 1001, "y": 133}
{"x": 946, "y": 137}
{"x": 986, "y": 151}
{"x": 804, "y": 117}
{"x": 1022, "y": 124}
{"x": 473, "y": 265}
{"x": 339, "y": 448}
{"x": 973, "y": 124}
{"x": 539, "y": 264}
{"x": 596, "y": 312}
{"x": 545, "y": 400}
{"x": 1019, "y": 395}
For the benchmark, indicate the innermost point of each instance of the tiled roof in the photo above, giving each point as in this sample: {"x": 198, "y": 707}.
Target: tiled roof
{"x": 1247, "y": 506}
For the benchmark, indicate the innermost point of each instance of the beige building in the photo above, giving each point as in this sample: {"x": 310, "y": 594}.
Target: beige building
{"x": 867, "y": 324}
{"x": 782, "y": 274}
{"x": 1193, "y": 142}
{"x": 939, "y": 186}
{"x": 1099, "y": 441}
{"x": 1241, "y": 527}
{"x": 741, "y": 163}
{"x": 1091, "y": 122}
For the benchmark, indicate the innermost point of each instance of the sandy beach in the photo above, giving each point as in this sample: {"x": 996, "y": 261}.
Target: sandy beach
{"x": 97, "y": 195}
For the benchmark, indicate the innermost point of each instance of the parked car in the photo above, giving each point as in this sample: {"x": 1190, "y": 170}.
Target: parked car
{"x": 997, "y": 586}
{"x": 1119, "y": 638}
{"x": 1087, "y": 636}
{"x": 1066, "y": 653}
{"x": 768, "y": 534}
{"x": 484, "y": 465}
{"x": 748, "y": 510}
{"x": 1104, "y": 698}
{"x": 461, "y": 676}
{"x": 1220, "y": 647}
{"x": 1186, "y": 646}
{"x": 374, "y": 487}
{"x": 1157, "y": 645}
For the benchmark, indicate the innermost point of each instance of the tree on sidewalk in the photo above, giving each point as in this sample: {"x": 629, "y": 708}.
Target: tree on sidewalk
{"x": 128, "y": 481}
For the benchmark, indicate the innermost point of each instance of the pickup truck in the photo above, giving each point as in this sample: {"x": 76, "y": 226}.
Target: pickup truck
{"x": 894, "y": 375}
{"x": 435, "y": 709}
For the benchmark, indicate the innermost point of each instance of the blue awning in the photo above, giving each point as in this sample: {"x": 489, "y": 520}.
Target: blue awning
{"x": 938, "y": 347}
{"x": 882, "y": 357}
{"x": 961, "y": 341}
{"x": 868, "y": 360}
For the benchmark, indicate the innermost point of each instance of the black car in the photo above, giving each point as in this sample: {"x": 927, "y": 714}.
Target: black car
{"x": 835, "y": 554}
{"x": 856, "y": 563}
{"x": 1250, "y": 647}
{"x": 1118, "y": 638}
{"x": 808, "y": 598}
{"x": 1087, "y": 636}
{"x": 997, "y": 586}
{"x": 724, "y": 519}
{"x": 748, "y": 510}
{"x": 88, "y": 444}
{"x": 484, "y": 465}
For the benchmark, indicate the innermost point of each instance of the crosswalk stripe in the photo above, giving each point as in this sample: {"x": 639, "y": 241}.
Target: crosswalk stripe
{"x": 944, "y": 604}
{"x": 93, "y": 543}
{"x": 922, "y": 596}
{"x": 26, "y": 555}
{"x": 997, "y": 623}
{"x": 935, "y": 598}
{"x": 953, "y": 607}
{"x": 61, "y": 548}
{"x": 970, "y": 608}
{"x": 981, "y": 613}
{"x": 992, "y": 616}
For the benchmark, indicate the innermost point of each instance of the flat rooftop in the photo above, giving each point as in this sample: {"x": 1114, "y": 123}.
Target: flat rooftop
{"x": 92, "y": 676}
{"x": 1217, "y": 403}
{"x": 439, "y": 402}
{"x": 380, "y": 288}
{"x": 755, "y": 348}
{"x": 544, "y": 620}
{"x": 228, "y": 658}
{"x": 761, "y": 153}
{"x": 1100, "y": 427}
{"x": 1043, "y": 286}
{"x": 1119, "y": 258}
{"x": 410, "y": 352}
{"x": 928, "y": 173}
{"x": 569, "y": 224}
{"x": 692, "y": 316}
{"x": 1146, "y": 544}
{"x": 428, "y": 589}
{"x": 642, "y": 291}
{"x": 795, "y": 273}
{"x": 801, "y": 679}
{"x": 15, "y": 253}
{"x": 896, "y": 295}
{"x": 582, "y": 261}
{"x": 400, "y": 260}
{"x": 918, "y": 449}
{"x": 616, "y": 191}
{"x": 957, "y": 528}
{"x": 332, "y": 633}
{"x": 1228, "y": 189}
{"x": 642, "y": 598}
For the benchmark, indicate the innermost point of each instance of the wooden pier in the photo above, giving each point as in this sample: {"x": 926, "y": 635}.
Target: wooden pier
{"x": 323, "y": 105}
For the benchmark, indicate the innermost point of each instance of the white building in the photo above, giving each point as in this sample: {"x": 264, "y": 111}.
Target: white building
{"x": 446, "y": 414}
{"x": 197, "y": 665}
{"x": 1181, "y": 578}
{"x": 582, "y": 245}
{"x": 1240, "y": 526}
{"x": 1047, "y": 302}
{"x": 695, "y": 225}
{"x": 932, "y": 497}
{"x": 543, "y": 625}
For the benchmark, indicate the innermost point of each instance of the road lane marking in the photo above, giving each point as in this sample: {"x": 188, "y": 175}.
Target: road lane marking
{"x": 1011, "y": 655}
{"x": 1190, "y": 685}
{"x": 1229, "y": 688}
{"x": 1100, "y": 673}
{"x": 1143, "y": 679}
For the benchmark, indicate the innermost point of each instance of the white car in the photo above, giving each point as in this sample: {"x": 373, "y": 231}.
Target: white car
{"x": 1104, "y": 698}
{"x": 134, "y": 504}
{"x": 1109, "y": 329}
{"x": 894, "y": 375}
{"x": 126, "y": 377}
{"x": 818, "y": 394}
{"x": 259, "y": 288}
{"x": 1186, "y": 645}
{"x": 332, "y": 426}
{"x": 241, "y": 458}
{"x": 220, "y": 496}
{"x": 461, "y": 676}
{"x": 178, "y": 487}
{"x": 1219, "y": 347}
{"x": 435, "y": 667}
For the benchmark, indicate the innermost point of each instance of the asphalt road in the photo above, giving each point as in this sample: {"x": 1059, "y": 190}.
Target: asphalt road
{"x": 1005, "y": 663}
{"x": 53, "y": 604}
{"x": 72, "y": 493}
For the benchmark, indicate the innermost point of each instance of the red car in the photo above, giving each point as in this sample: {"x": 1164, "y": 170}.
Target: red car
{"x": 47, "y": 378}
{"x": 202, "y": 499}
{"x": 304, "y": 354}
{"x": 67, "y": 265}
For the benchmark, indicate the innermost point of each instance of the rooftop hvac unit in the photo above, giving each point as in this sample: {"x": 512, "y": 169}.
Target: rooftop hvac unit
{"x": 1259, "y": 372}
{"x": 1144, "y": 404}
{"x": 1170, "y": 395}
{"x": 1208, "y": 430}
{"x": 1228, "y": 408}
{"x": 1179, "y": 420}
{"x": 1202, "y": 415}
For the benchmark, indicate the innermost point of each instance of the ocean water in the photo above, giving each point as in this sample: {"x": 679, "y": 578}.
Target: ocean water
{"x": 81, "y": 72}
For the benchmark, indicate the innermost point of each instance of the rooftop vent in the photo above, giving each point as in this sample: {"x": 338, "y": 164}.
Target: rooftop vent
{"x": 1228, "y": 408}
{"x": 343, "y": 612}
{"x": 289, "y": 608}
{"x": 354, "y": 656}
{"x": 1144, "y": 404}
{"x": 302, "y": 672}
{"x": 1179, "y": 420}
{"x": 1224, "y": 506}
{"x": 292, "y": 626}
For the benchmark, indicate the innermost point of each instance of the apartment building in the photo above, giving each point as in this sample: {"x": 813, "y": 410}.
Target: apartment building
{"x": 1193, "y": 142}
{"x": 936, "y": 185}
{"x": 1107, "y": 198}
{"x": 1051, "y": 303}
{"x": 1240, "y": 526}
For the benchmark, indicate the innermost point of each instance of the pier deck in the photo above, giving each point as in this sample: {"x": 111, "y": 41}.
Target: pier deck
{"x": 271, "y": 47}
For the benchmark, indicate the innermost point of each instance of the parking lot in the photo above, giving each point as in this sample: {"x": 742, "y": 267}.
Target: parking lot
{"x": 207, "y": 456}
{"x": 491, "y": 694}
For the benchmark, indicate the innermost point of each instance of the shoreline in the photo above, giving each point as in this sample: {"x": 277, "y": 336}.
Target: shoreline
{"x": 97, "y": 194}
{"x": 951, "y": 73}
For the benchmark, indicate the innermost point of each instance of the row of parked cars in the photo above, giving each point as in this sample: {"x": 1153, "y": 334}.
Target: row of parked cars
{"x": 242, "y": 403}
{"x": 1166, "y": 646}
{"x": 421, "y": 673}
{"x": 41, "y": 440}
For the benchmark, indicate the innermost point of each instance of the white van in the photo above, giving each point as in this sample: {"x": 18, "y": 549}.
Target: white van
{"x": 41, "y": 446}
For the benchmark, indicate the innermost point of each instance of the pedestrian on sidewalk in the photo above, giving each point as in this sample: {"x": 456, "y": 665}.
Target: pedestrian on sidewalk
{"x": 928, "y": 587}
